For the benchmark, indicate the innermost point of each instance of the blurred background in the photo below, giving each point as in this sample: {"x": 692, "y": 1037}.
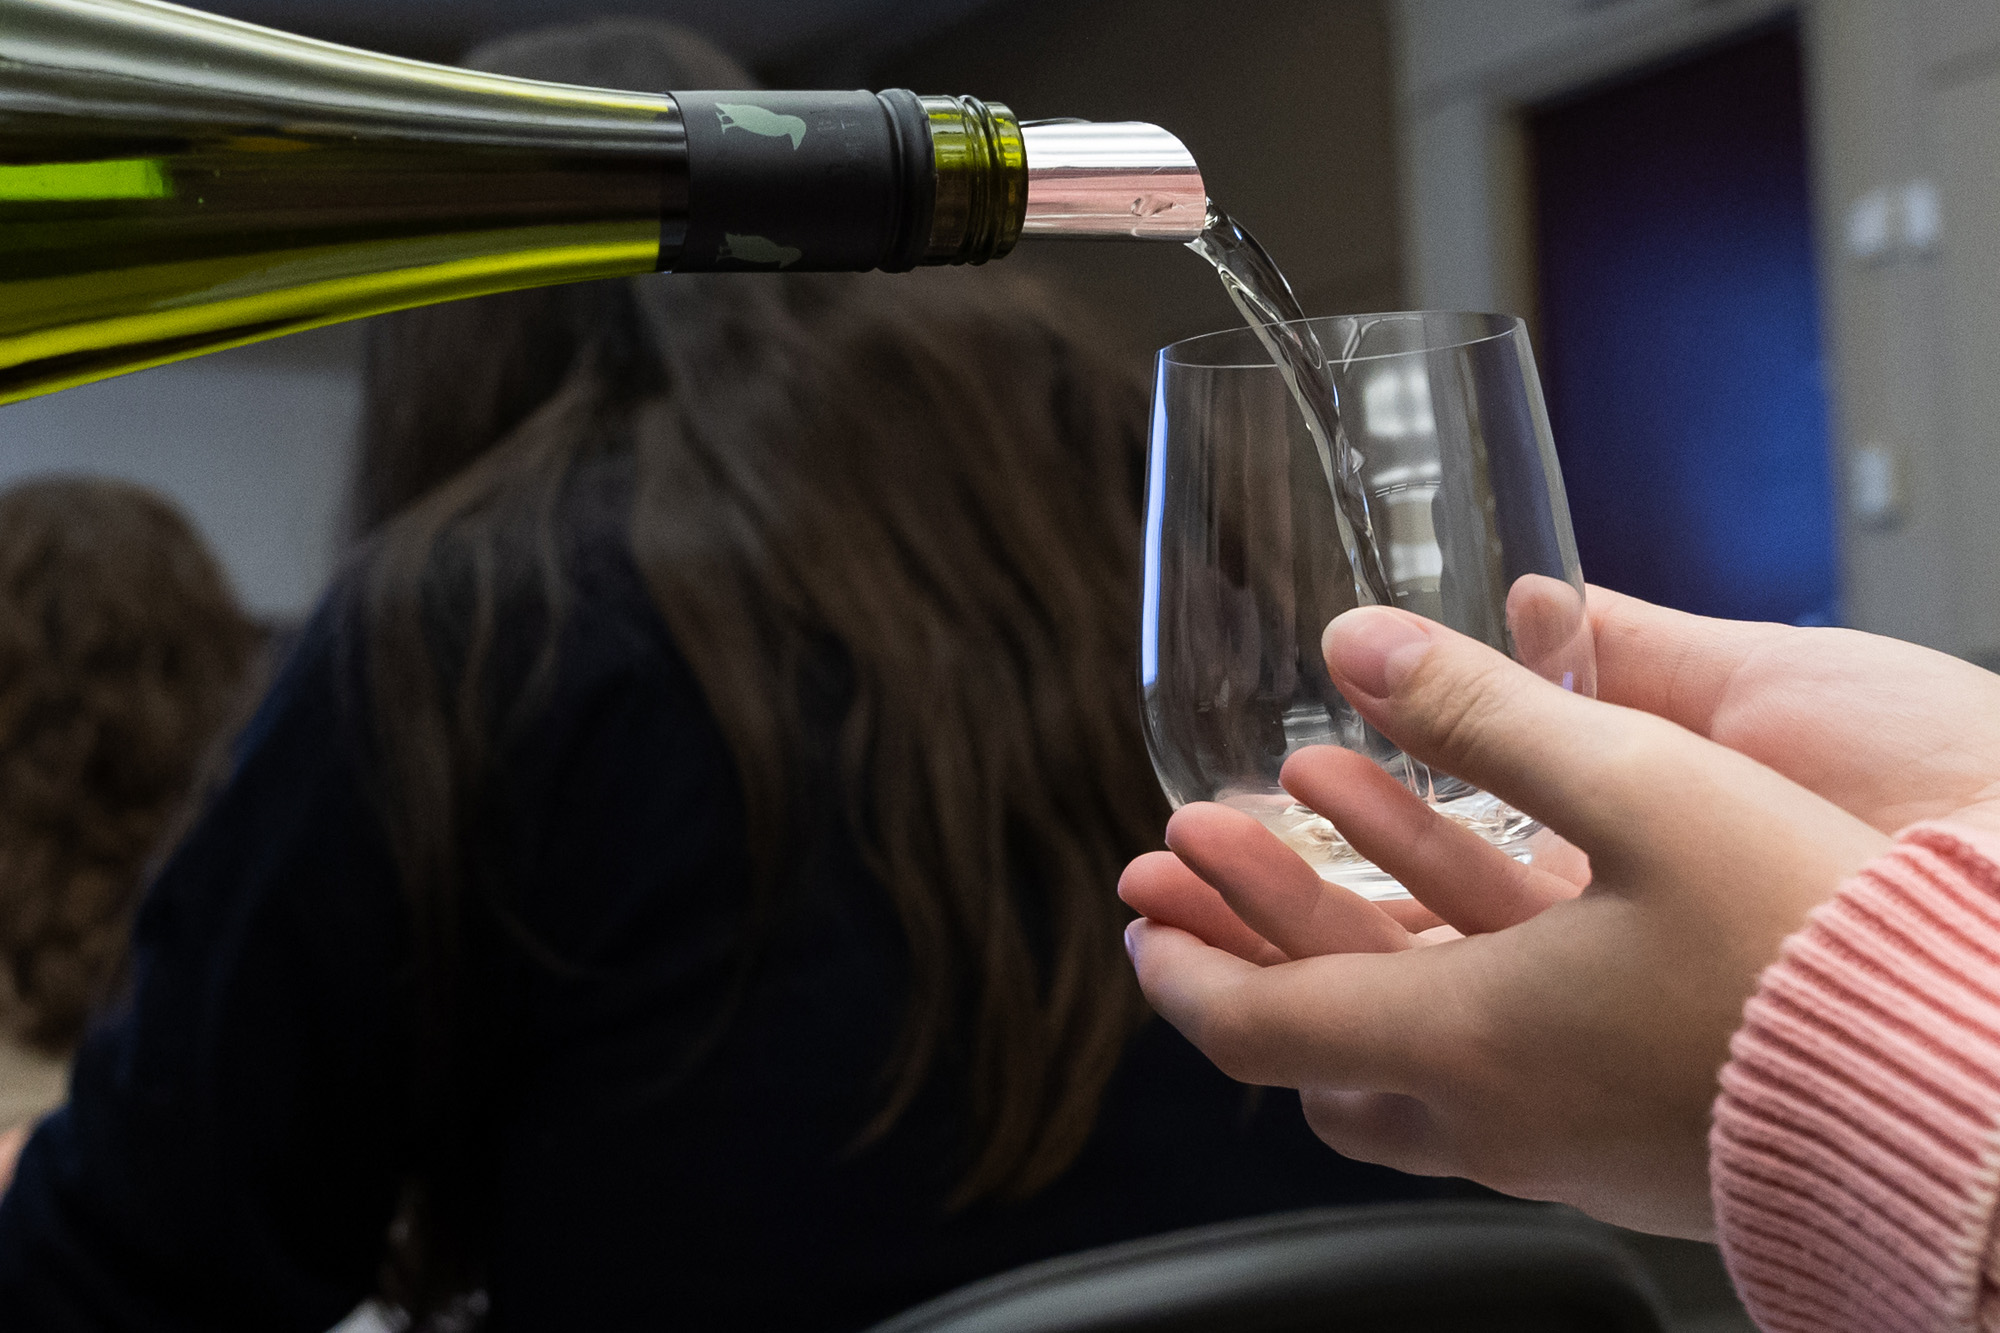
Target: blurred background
{"x": 1758, "y": 243}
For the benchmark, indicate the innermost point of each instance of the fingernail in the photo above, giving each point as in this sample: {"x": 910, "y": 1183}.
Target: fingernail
{"x": 1131, "y": 949}
{"x": 1374, "y": 648}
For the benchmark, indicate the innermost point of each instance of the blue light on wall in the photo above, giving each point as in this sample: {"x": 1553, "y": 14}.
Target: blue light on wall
{"x": 1680, "y": 333}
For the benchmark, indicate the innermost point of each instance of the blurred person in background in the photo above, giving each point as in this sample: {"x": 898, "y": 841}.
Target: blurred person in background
{"x": 670, "y": 883}
{"x": 123, "y": 655}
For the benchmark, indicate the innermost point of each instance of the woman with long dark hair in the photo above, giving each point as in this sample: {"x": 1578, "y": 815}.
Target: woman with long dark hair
{"x": 671, "y": 883}
{"x": 123, "y": 656}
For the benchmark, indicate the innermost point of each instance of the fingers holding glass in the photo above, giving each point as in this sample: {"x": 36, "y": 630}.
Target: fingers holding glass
{"x": 1273, "y": 891}
{"x": 1469, "y": 883}
{"x": 1549, "y": 633}
{"x": 1460, "y": 707}
{"x": 1160, "y": 887}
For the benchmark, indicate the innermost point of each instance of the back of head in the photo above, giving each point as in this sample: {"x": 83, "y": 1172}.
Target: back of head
{"x": 122, "y": 652}
{"x": 939, "y": 475}
{"x": 446, "y": 382}
{"x": 641, "y": 55}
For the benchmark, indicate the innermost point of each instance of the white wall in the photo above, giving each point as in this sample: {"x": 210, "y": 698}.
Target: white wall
{"x": 1901, "y": 92}
{"x": 255, "y": 444}
{"x": 1954, "y": 320}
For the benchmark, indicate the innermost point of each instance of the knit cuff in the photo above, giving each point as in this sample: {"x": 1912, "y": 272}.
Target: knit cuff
{"x": 1855, "y": 1154}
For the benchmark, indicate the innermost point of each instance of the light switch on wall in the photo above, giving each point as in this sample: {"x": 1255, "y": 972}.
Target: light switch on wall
{"x": 1871, "y": 227}
{"x": 1895, "y": 222}
{"x": 1923, "y": 217}
{"x": 1875, "y": 484}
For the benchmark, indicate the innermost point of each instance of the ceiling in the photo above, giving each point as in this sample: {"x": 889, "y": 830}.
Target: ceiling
{"x": 759, "y": 32}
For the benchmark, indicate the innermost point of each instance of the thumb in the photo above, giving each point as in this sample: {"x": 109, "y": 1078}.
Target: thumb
{"x": 1578, "y": 765}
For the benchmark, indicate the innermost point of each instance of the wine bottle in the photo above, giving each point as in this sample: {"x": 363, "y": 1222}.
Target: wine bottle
{"x": 172, "y": 182}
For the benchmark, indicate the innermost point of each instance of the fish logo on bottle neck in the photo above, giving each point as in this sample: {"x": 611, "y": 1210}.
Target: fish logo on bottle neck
{"x": 759, "y": 120}
{"x": 757, "y": 250}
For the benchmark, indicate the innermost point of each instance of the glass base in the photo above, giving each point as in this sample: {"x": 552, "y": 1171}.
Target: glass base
{"x": 1322, "y": 847}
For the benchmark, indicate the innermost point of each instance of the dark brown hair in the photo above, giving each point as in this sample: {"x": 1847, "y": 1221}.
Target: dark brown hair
{"x": 122, "y": 655}
{"x": 935, "y": 476}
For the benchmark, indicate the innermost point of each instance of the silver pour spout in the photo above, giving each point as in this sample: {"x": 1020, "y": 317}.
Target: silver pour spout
{"x": 1114, "y": 180}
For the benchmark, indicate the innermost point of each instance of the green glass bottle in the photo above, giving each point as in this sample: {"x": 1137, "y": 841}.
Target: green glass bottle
{"x": 172, "y": 183}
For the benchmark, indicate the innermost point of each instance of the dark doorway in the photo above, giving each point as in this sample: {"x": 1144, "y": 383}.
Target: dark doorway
{"x": 1680, "y": 332}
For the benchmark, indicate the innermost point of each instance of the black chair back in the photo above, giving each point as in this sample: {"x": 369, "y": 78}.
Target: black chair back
{"x": 1406, "y": 1268}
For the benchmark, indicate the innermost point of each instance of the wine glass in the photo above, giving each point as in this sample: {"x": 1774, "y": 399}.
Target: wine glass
{"x": 1444, "y": 436}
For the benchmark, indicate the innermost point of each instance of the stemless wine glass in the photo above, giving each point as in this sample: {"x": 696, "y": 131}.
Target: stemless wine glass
{"x": 1245, "y": 560}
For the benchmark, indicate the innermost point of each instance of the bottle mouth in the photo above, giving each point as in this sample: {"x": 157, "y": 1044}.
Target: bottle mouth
{"x": 996, "y": 180}
{"x": 981, "y": 173}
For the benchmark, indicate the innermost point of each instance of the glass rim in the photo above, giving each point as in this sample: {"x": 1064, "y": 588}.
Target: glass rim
{"x": 1499, "y": 325}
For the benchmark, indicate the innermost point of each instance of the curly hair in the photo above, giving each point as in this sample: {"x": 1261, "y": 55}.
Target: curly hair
{"x": 122, "y": 655}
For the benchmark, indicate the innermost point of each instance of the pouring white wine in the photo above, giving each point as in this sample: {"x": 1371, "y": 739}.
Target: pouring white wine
{"x": 172, "y": 182}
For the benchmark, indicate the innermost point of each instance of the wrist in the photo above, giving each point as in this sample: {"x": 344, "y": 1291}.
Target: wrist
{"x": 1855, "y": 1151}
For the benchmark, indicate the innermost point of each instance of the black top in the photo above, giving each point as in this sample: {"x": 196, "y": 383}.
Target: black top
{"x": 231, "y": 1153}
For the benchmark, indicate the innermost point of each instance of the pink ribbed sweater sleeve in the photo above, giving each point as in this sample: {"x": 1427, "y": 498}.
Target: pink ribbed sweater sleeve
{"x": 1855, "y": 1154}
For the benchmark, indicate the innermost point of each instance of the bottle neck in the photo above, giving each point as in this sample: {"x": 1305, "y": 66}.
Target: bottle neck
{"x": 844, "y": 181}
{"x": 856, "y": 180}
{"x": 981, "y": 174}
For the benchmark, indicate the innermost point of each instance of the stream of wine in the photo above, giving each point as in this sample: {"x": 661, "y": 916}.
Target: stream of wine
{"x": 1260, "y": 292}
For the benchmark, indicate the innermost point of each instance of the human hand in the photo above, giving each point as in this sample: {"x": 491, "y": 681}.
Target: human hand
{"x": 1890, "y": 732}
{"x": 1567, "y": 1048}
